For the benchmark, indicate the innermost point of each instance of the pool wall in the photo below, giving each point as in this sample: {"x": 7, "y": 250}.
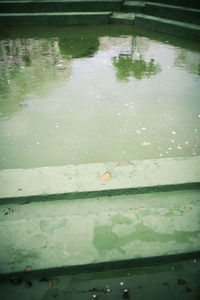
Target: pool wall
{"x": 179, "y": 18}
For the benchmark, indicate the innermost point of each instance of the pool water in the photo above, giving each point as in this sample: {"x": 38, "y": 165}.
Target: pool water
{"x": 85, "y": 94}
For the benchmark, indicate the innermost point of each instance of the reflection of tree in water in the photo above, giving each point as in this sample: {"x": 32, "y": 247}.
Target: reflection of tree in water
{"x": 134, "y": 65}
{"x": 27, "y": 66}
{"x": 188, "y": 60}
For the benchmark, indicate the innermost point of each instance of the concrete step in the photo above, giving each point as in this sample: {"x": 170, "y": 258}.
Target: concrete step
{"x": 134, "y": 6}
{"x": 123, "y": 18}
{"x": 76, "y": 218}
{"x": 83, "y": 233}
{"x": 177, "y": 13}
{"x": 55, "y": 18}
{"x": 181, "y": 29}
{"x": 183, "y": 3}
{"x": 59, "y": 6}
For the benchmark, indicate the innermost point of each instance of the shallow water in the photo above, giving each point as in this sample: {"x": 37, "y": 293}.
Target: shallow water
{"x": 83, "y": 94}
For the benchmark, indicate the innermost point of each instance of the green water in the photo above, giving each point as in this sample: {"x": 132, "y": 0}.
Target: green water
{"x": 84, "y": 94}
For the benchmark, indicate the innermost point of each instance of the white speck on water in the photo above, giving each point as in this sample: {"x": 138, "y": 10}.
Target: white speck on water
{"x": 186, "y": 142}
{"x": 195, "y": 261}
{"x": 194, "y": 153}
{"x": 173, "y": 132}
{"x": 108, "y": 290}
{"x": 123, "y": 151}
{"x": 161, "y": 155}
{"x": 29, "y": 146}
{"x": 172, "y": 268}
{"x": 94, "y": 296}
{"x": 57, "y": 126}
{"x": 195, "y": 130}
{"x": 126, "y": 104}
{"x": 198, "y": 115}
{"x": 121, "y": 283}
{"x": 179, "y": 147}
{"x": 119, "y": 114}
{"x": 146, "y": 144}
{"x": 166, "y": 152}
{"x": 169, "y": 148}
{"x": 172, "y": 141}
{"x": 143, "y": 128}
{"x": 37, "y": 143}
{"x": 138, "y": 131}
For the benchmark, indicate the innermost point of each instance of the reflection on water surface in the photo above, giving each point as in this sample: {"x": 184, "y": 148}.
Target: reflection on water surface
{"x": 83, "y": 94}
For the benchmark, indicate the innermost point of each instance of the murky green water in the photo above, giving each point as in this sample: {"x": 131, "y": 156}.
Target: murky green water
{"x": 82, "y": 94}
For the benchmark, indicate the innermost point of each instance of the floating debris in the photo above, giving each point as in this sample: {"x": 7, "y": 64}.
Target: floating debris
{"x": 121, "y": 283}
{"x": 179, "y": 147}
{"x": 173, "y": 132}
{"x": 122, "y": 163}
{"x": 50, "y": 283}
{"x": 181, "y": 281}
{"x": 28, "y": 269}
{"x": 146, "y": 144}
{"x": 125, "y": 294}
{"x": 188, "y": 289}
{"x": 23, "y": 104}
{"x": 16, "y": 280}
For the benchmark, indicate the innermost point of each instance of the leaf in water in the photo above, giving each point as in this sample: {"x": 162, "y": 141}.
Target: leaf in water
{"x": 106, "y": 176}
{"x": 122, "y": 163}
{"x": 50, "y": 283}
{"x": 181, "y": 281}
{"x": 16, "y": 280}
{"x": 188, "y": 289}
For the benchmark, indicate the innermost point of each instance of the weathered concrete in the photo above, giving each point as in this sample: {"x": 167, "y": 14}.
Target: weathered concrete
{"x": 181, "y": 29}
{"x": 56, "y": 18}
{"x": 71, "y": 180}
{"x": 70, "y": 234}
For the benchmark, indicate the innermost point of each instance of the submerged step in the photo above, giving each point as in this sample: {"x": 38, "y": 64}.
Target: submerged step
{"x": 59, "y": 6}
{"x": 178, "y": 13}
{"x": 181, "y": 29}
{"x": 56, "y": 18}
{"x": 69, "y": 235}
{"x": 123, "y": 18}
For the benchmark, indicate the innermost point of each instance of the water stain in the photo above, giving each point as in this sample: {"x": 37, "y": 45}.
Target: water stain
{"x": 105, "y": 239}
{"x": 47, "y": 226}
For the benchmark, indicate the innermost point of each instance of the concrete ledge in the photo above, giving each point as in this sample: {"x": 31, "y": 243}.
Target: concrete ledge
{"x": 56, "y": 18}
{"x": 134, "y": 6}
{"x": 177, "y": 13}
{"x": 59, "y": 6}
{"x": 70, "y": 235}
{"x": 185, "y": 30}
{"x": 99, "y": 179}
{"x": 123, "y": 18}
